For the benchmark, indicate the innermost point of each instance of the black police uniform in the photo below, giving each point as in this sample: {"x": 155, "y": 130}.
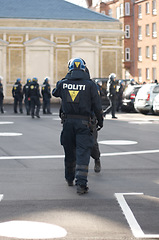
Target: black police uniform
{"x": 1, "y": 97}
{"x": 79, "y": 98}
{"x": 112, "y": 97}
{"x": 46, "y": 93}
{"x": 34, "y": 95}
{"x": 17, "y": 94}
{"x": 27, "y": 99}
{"x": 120, "y": 97}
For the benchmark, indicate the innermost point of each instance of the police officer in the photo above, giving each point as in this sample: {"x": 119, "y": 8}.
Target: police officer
{"x": 120, "y": 95}
{"x": 34, "y": 95}
{"x": 17, "y": 93}
{"x": 111, "y": 88}
{"x": 26, "y": 98}
{"x": 46, "y": 94}
{"x": 95, "y": 152}
{"x": 79, "y": 98}
{"x": 1, "y": 95}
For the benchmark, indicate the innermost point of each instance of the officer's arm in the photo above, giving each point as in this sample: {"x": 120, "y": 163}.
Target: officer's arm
{"x": 56, "y": 92}
{"x": 97, "y": 107}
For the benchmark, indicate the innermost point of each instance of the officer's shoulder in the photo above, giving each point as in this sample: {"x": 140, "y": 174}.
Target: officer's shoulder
{"x": 62, "y": 80}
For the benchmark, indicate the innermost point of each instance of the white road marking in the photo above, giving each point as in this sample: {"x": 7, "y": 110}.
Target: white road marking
{"x": 117, "y": 142}
{"x": 6, "y": 123}
{"x": 129, "y": 153}
{"x": 7, "y": 134}
{"x": 1, "y": 197}
{"x": 62, "y": 156}
{"x": 135, "y": 228}
{"x": 31, "y": 230}
{"x": 144, "y": 122}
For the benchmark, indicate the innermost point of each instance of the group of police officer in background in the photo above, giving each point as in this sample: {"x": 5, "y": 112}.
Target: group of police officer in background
{"x": 32, "y": 94}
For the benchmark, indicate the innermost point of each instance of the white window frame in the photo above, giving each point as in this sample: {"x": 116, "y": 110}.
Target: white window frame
{"x": 154, "y": 52}
{"x": 127, "y": 31}
{"x": 139, "y": 12}
{"x": 154, "y": 30}
{"x": 127, "y": 9}
{"x": 139, "y": 32}
{"x": 147, "y": 74}
{"x": 110, "y": 13}
{"x": 121, "y": 10}
{"x": 127, "y": 74}
{"x": 147, "y": 51}
{"x": 127, "y": 54}
{"x": 154, "y": 8}
{"x": 140, "y": 74}
{"x": 147, "y": 30}
{"x": 154, "y": 76}
{"x": 147, "y": 8}
{"x": 139, "y": 55}
{"x": 117, "y": 12}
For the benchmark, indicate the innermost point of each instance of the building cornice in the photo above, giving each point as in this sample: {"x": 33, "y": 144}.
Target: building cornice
{"x": 61, "y": 30}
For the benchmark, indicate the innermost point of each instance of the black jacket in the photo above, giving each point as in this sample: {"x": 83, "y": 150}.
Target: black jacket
{"x": 46, "y": 90}
{"x": 17, "y": 90}
{"x": 33, "y": 90}
{"x": 79, "y": 95}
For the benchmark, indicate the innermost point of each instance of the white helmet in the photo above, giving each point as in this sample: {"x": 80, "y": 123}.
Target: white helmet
{"x": 1, "y": 78}
{"x": 112, "y": 76}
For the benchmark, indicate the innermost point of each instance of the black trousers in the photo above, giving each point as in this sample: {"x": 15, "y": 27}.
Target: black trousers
{"x": 77, "y": 142}
{"x": 1, "y": 104}
{"x": 35, "y": 105}
{"x": 18, "y": 101}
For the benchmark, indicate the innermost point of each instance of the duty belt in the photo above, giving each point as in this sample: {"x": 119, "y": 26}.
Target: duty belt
{"x": 87, "y": 118}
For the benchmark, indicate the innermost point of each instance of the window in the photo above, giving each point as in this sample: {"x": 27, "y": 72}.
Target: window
{"x": 110, "y": 13}
{"x": 156, "y": 89}
{"x": 154, "y": 76}
{"x": 127, "y": 74}
{"x": 127, "y": 9}
{"x": 147, "y": 30}
{"x": 154, "y": 9}
{"x": 127, "y": 54}
{"x": 139, "y": 33}
{"x": 117, "y": 12}
{"x": 139, "y": 12}
{"x": 127, "y": 31}
{"x": 140, "y": 75}
{"x": 147, "y": 73}
{"x": 154, "y": 30}
{"x": 154, "y": 55}
{"x": 147, "y": 51}
{"x": 139, "y": 55}
{"x": 121, "y": 10}
{"x": 147, "y": 8}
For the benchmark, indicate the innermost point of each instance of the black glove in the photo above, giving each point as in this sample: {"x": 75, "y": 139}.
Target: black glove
{"x": 99, "y": 125}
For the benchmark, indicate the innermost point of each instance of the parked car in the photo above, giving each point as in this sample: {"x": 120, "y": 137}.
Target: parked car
{"x": 145, "y": 97}
{"x": 156, "y": 104}
{"x": 129, "y": 98}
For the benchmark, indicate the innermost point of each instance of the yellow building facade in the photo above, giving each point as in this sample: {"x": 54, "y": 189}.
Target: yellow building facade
{"x": 42, "y": 47}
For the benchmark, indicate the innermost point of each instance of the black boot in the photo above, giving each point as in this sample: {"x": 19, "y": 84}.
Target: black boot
{"x": 82, "y": 189}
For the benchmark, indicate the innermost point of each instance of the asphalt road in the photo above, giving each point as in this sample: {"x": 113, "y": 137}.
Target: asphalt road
{"x": 36, "y": 203}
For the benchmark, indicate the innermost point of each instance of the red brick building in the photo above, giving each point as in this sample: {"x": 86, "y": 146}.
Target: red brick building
{"x": 140, "y": 44}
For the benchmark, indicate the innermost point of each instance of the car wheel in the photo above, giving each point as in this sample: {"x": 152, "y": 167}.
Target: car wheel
{"x": 144, "y": 112}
